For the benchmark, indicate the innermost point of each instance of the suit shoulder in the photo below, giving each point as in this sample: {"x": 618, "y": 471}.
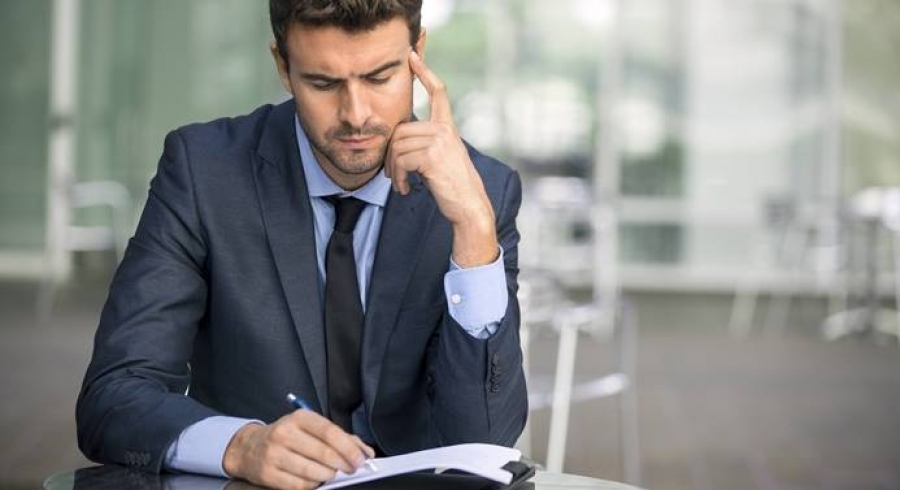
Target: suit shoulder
{"x": 488, "y": 166}
{"x": 227, "y": 133}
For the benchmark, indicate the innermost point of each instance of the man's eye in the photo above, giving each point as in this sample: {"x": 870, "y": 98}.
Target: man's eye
{"x": 379, "y": 80}
{"x": 324, "y": 85}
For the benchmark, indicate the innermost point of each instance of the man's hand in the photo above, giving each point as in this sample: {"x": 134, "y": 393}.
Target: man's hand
{"x": 434, "y": 150}
{"x": 299, "y": 451}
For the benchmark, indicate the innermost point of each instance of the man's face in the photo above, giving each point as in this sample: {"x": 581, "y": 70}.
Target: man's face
{"x": 351, "y": 90}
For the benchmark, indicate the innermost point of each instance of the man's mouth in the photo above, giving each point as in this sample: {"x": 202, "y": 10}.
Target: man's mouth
{"x": 357, "y": 142}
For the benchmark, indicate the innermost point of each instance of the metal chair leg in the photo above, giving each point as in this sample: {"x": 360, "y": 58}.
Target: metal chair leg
{"x": 895, "y": 242}
{"x": 562, "y": 396}
{"x": 524, "y": 442}
{"x": 629, "y": 436}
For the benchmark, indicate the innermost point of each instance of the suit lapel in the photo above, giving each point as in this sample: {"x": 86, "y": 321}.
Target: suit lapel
{"x": 403, "y": 229}
{"x": 288, "y": 219}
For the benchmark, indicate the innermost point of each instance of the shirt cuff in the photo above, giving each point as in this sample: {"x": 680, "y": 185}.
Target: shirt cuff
{"x": 201, "y": 447}
{"x": 477, "y": 297}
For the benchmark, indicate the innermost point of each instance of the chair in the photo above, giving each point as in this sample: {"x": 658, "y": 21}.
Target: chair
{"x": 796, "y": 232}
{"x": 875, "y": 210}
{"x": 76, "y": 238}
{"x": 557, "y": 257}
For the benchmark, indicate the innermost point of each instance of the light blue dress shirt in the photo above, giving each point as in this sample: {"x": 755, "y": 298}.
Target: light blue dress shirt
{"x": 476, "y": 299}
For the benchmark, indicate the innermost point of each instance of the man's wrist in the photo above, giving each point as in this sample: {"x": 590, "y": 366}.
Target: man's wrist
{"x": 475, "y": 240}
{"x": 233, "y": 457}
{"x": 474, "y": 250}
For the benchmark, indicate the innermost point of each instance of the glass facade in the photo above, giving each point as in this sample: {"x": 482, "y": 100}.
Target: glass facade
{"x": 24, "y": 87}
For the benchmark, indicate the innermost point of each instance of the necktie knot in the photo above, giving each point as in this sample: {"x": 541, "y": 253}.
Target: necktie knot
{"x": 346, "y": 212}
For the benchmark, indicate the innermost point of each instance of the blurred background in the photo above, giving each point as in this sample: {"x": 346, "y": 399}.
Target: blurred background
{"x": 710, "y": 221}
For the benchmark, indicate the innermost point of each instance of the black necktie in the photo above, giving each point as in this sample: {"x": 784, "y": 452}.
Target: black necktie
{"x": 343, "y": 313}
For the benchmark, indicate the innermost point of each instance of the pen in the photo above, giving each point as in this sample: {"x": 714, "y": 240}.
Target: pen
{"x": 299, "y": 404}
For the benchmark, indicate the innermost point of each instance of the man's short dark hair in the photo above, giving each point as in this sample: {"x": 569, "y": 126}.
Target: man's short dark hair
{"x": 350, "y": 15}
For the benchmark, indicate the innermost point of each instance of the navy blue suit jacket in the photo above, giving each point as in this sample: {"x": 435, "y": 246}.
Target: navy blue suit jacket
{"x": 218, "y": 295}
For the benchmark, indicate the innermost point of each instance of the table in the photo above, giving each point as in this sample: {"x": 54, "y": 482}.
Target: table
{"x": 110, "y": 477}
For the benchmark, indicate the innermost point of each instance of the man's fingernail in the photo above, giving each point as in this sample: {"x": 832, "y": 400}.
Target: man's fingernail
{"x": 414, "y": 54}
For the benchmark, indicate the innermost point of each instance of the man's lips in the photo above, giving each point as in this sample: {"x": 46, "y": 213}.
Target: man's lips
{"x": 357, "y": 141}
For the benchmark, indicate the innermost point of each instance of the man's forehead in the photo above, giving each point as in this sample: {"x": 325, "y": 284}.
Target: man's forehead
{"x": 335, "y": 51}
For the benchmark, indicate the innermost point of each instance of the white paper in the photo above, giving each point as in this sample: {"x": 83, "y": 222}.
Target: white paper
{"x": 484, "y": 460}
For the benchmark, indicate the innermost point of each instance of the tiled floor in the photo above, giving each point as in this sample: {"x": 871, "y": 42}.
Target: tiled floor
{"x": 715, "y": 412}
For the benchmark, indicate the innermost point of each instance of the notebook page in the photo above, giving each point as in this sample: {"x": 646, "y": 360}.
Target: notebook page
{"x": 485, "y": 460}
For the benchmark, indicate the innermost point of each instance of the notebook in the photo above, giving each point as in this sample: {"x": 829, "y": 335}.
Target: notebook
{"x": 483, "y": 460}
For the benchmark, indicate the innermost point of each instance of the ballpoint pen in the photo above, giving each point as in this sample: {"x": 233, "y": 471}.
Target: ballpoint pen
{"x": 299, "y": 404}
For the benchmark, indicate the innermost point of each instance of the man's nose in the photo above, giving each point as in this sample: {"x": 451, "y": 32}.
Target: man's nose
{"x": 355, "y": 109}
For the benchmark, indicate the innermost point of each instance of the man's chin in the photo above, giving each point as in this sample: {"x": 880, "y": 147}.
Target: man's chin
{"x": 359, "y": 168}
{"x": 360, "y": 164}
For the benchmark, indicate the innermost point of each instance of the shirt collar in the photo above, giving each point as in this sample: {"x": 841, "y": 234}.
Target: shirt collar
{"x": 319, "y": 184}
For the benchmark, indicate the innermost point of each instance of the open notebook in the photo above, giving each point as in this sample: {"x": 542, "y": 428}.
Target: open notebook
{"x": 485, "y": 460}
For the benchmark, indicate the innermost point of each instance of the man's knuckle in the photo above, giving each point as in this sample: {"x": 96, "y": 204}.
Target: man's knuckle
{"x": 316, "y": 452}
{"x": 320, "y": 473}
{"x": 332, "y": 432}
{"x": 278, "y": 436}
{"x": 337, "y": 442}
{"x": 331, "y": 458}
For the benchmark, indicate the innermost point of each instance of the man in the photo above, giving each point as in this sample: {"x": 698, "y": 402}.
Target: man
{"x": 246, "y": 280}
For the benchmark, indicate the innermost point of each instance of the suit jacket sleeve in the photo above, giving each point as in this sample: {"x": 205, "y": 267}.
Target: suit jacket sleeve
{"x": 478, "y": 392}
{"x": 132, "y": 404}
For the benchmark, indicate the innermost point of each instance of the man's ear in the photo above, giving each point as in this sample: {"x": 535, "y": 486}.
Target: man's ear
{"x": 420, "y": 44}
{"x": 281, "y": 66}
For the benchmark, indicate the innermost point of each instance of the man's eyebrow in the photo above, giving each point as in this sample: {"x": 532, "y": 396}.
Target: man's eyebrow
{"x": 329, "y": 79}
{"x": 318, "y": 77}
{"x": 385, "y": 67}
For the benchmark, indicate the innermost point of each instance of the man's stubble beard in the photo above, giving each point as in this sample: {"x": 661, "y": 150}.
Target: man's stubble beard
{"x": 353, "y": 162}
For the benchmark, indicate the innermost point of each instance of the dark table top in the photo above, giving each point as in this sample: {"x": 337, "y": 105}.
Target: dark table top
{"x": 111, "y": 477}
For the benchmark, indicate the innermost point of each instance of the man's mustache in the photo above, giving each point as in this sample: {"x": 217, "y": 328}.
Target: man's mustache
{"x": 346, "y": 131}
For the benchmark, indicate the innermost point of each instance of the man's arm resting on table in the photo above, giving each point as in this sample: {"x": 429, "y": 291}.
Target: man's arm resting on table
{"x": 201, "y": 447}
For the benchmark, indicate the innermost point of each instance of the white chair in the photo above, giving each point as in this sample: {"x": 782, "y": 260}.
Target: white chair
{"x": 797, "y": 242}
{"x": 570, "y": 321}
{"x": 112, "y": 236}
{"x": 556, "y": 256}
{"x": 876, "y": 210}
